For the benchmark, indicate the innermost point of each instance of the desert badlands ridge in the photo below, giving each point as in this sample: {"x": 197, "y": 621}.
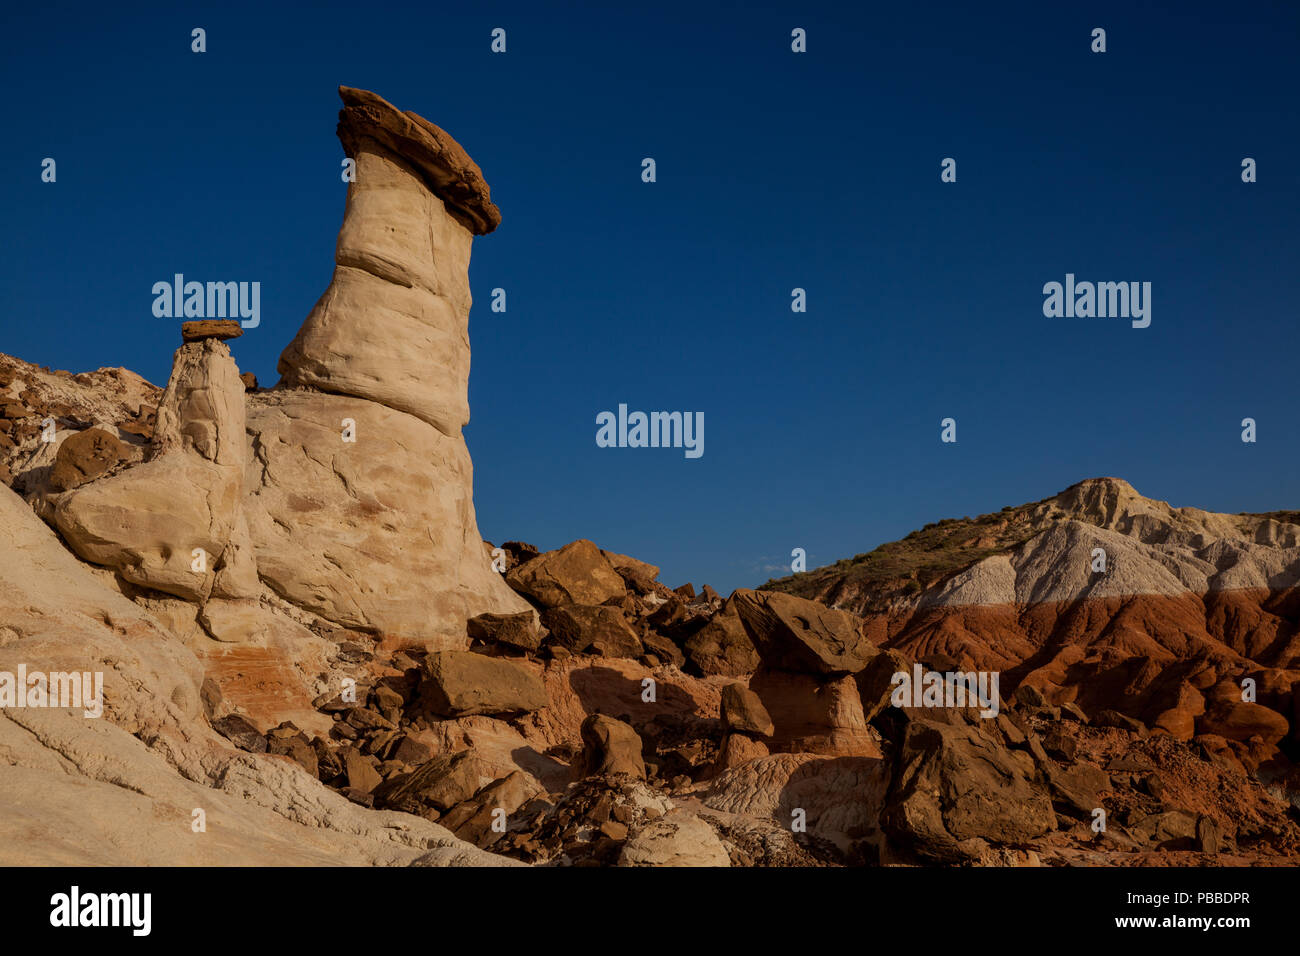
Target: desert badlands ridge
{"x": 309, "y": 655}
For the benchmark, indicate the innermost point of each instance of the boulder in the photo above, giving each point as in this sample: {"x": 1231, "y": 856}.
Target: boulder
{"x": 738, "y": 749}
{"x": 438, "y": 785}
{"x": 519, "y": 631}
{"x": 742, "y": 710}
{"x": 368, "y": 121}
{"x": 1113, "y": 718}
{"x": 517, "y": 552}
{"x": 679, "y": 621}
{"x": 575, "y": 574}
{"x": 360, "y": 769}
{"x": 675, "y": 839}
{"x": 290, "y": 742}
{"x": 875, "y": 681}
{"x": 84, "y": 457}
{"x": 1178, "y": 719}
{"x": 1168, "y": 829}
{"x": 663, "y": 649}
{"x": 460, "y": 683}
{"x": 474, "y": 819}
{"x": 722, "y": 647}
{"x": 638, "y": 570}
{"x": 595, "y": 630}
{"x": 500, "y": 745}
{"x": 579, "y": 687}
{"x": 1239, "y": 720}
{"x": 609, "y": 746}
{"x": 241, "y": 732}
{"x": 795, "y": 634}
{"x": 1209, "y": 835}
{"x": 813, "y": 714}
{"x": 957, "y": 787}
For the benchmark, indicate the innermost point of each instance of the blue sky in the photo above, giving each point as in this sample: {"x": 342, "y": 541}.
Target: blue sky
{"x": 775, "y": 170}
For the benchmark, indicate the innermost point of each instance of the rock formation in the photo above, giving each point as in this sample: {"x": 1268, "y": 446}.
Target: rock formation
{"x": 1101, "y": 598}
{"x": 359, "y": 482}
{"x": 393, "y": 326}
{"x": 141, "y": 523}
{"x": 299, "y": 631}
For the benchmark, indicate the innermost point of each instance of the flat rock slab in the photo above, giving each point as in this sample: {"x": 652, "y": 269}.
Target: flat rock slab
{"x": 460, "y": 683}
{"x": 210, "y": 329}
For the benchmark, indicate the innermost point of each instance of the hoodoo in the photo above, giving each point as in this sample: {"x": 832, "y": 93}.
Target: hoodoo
{"x": 360, "y": 484}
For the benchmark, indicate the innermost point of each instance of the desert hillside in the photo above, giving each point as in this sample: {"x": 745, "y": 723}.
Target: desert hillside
{"x": 897, "y": 573}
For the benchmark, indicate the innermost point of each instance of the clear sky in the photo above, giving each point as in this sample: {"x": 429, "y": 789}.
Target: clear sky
{"x": 775, "y": 170}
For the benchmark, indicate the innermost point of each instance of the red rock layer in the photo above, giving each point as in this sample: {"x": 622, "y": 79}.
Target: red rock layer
{"x": 1177, "y": 663}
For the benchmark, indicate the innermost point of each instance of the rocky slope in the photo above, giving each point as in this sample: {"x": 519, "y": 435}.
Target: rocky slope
{"x": 310, "y": 656}
{"x": 1101, "y": 597}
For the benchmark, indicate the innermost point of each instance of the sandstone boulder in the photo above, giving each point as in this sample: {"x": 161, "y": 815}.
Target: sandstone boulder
{"x": 460, "y": 683}
{"x": 438, "y": 785}
{"x": 875, "y": 681}
{"x": 795, "y": 634}
{"x": 241, "y": 732}
{"x": 575, "y": 574}
{"x": 958, "y": 788}
{"x": 473, "y": 820}
{"x": 518, "y": 631}
{"x": 814, "y": 715}
{"x": 675, "y": 839}
{"x": 609, "y": 746}
{"x": 722, "y": 647}
{"x": 594, "y": 630}
{"x": 738, "y": 749}
{"x": 210, "y": 329}
{"x": 1239, "y": 720}
{"x": 743, "y": 710}
{"x": 84, "y": 457}
{"x": 361, "y": 773}
{"x": 632, "y": 568}
{"x": 580, "y": 687}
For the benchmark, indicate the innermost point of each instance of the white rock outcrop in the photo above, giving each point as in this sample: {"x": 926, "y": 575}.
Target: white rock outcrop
{"x": 121, "y": 789}
{"x": 168, "y": 523}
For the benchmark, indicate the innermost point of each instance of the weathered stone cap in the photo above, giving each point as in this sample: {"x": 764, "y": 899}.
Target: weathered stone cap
{"x": 445, "y": 166}
{"x": 210, "y": 329}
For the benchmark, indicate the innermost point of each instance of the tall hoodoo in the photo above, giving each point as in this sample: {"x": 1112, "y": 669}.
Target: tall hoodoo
{"x": 378, "y": 530}
{"x": 393, "y": 326}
